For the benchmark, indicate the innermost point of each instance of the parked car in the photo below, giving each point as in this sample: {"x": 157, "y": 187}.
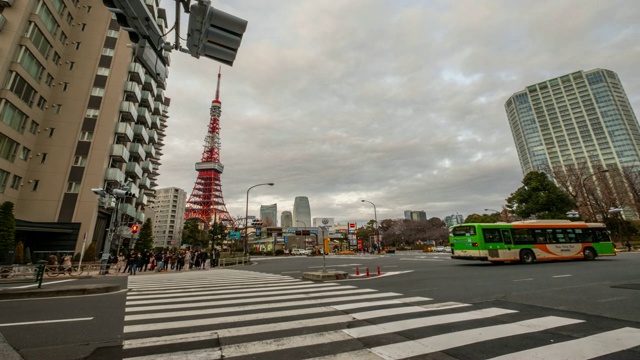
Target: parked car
{"x": 447, "y": 249}
{"x": 439, "y": 249}
{"x": 299, "y": 252}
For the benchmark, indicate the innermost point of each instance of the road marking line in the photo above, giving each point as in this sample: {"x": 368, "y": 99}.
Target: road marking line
{"x": 613, "y": 299}
{"x": 460, "y": 338}
{"x": 358, "y": 354}
{"x": 415, "y": 323}
{"x": 41, "y": 322}
{"x": 527, "y": 279}
{"x": 584, "y": 348}
{"x": 247, "y": 303}
{"x": 43, "y": 283}
{"x": 205, "y": 354}
{"x": 381, "y": 302}
{"x": 560, "y": 276}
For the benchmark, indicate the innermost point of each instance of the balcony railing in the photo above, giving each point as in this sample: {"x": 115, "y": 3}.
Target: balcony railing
{"x": 140, "y": 131}
{"x": 128, "y": 111}
{"x": 137, "y": 72}
{"x": 124, "y": 129}
{"x": 119, "y": 153}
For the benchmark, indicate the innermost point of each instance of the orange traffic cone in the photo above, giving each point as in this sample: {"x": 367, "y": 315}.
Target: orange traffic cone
{"x": 379, "y": 273}
{"x": 357, "y": 271}
{"x": 368, "y": 273}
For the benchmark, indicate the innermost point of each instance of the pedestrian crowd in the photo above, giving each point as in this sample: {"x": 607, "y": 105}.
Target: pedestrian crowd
{"x": 163, "y": 261}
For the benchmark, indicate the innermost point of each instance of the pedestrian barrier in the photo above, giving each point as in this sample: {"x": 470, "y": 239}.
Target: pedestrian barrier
{"x": 22, "y": 273}
{"x": 357, "y": 271}
{"x": 368, "y": 272}
{"x": 379, "y": 273}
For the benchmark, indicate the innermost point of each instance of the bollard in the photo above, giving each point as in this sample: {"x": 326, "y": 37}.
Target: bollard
{"x": 40, "y": 275}
{"x": 368, "y": 273}
{"x": 357, "y": 271}
{"x": 379, "y": 271}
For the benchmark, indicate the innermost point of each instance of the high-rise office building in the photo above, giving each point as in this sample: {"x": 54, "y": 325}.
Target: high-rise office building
{"x": 169, "y": 208}
{"x": 78, "y": 111}
{"x": 582, "y": 119}
{"x": 301, "y": 212}
{"x": 269, "y": 214}
{"x": 286, "y": 219}
{"x": 415, "y": 215}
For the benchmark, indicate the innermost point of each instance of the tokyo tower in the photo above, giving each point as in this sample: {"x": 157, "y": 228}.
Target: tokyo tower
{"x": 205, "y": 202}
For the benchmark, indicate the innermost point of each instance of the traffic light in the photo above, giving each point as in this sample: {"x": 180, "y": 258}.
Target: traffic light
{"x": 214, "y": 33}
{"x": 134, "y": 17}
{"x": 134, "y": 229}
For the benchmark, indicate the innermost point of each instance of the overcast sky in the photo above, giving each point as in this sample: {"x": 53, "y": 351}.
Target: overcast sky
{"x": 397, "y": 102}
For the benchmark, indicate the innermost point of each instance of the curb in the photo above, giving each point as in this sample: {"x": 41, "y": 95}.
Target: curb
{"x": 12, "y": 294}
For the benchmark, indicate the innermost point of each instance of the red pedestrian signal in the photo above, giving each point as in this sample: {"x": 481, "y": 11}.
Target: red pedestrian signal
{"x": 134, "y": 229}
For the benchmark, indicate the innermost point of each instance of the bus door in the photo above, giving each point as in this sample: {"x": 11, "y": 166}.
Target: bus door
{"x": 509, "y": 252}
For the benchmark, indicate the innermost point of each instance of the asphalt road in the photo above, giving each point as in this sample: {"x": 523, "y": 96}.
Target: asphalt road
{"x": 607, "y": 290}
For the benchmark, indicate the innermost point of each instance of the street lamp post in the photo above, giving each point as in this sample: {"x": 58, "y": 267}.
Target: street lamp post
{"x": 586, "y": 193}
{"x": 246, "y": 215}
{"x": 375, "y": 214}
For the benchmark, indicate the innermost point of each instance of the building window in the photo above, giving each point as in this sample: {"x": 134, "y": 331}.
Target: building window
{"x": 16, "y": 181}
{"x": 57, "y": 108}
{"x": 78, "y": 45}
{"x": 97, "y": 91}
{"x": 108, "y": 52}
{"x": 83, "y": 26}
{"x": 24, "y": 153}
{"x": 43, "y": 158}
{"x": 47, "y": 18}
{"x": 38, "y": 39}
{"x": 49, "y": 80}
{"x": 21, "y": 88}
{"x": 33, "y": 128}
{"x": 56, "y": 58}
{"x": 13, "y": 117}
{"x": 80, "y": 160}
{"x": 113, "y": 33}
{"x": 8, "y": 148}
{"x": 72, "y": 64}
{"x": 42, "y": 102}
{"x": 35, "y": 185}
{"x": 51, "y": 131}
{"x": 103, "y": 71}
{"x": 63, "y": 37}
{"x": 92, "y": 113}
{"x": 29, "y": 63}
{"x": 65, "y": 86}
{"x": 4, "y": 176}
{"x": 86, "y": 136}
{"x": 73, "y": 187}
{"x": 69, "y": 18}
{"x": 59, "y": 6}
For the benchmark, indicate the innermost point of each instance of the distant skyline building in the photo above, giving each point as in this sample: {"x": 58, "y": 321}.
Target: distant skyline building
{"x": 452, "y": 219}
{"x": 301, "y": 211}
{"x": 582, "y": 119}
{"x": 269, "y": 214}
{"x": 286, "y": 219}
{"x": 415, "y": 215}
{"x": 169, "y": 210}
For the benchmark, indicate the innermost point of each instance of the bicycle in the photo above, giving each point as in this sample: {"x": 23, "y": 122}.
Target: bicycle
{"x": 55, "y": 270}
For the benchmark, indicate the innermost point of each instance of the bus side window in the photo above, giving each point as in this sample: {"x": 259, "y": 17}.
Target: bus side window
{"x": 571, "y": 236}
{"x": 522, "y": 236}
{"x": 560, "y": 237}
{"x": 584, "y": 235}
{"x": 491, "y": 236}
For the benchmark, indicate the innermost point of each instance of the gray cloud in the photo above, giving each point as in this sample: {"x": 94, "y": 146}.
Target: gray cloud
{"x": 397, "y": 102}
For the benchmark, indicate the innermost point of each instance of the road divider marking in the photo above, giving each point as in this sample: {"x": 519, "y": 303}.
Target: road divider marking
{"x": 561, "y": 276}
{"x": 43, "y": 322}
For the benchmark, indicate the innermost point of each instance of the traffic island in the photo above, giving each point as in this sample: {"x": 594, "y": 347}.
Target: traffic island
{"x": 325, "y": 276}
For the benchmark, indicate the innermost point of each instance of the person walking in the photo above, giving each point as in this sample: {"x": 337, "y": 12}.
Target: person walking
{"x": 120, "y": 263}
{"x": 628, "y": 245}
{"x": 133, "y": 262}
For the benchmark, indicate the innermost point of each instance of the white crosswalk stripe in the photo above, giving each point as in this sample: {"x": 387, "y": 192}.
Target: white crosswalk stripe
{"x": 238, "y": 314}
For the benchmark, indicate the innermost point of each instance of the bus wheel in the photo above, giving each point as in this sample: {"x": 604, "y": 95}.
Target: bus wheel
{"x": 527, "y": 257}
{"x": 589, "y": 254}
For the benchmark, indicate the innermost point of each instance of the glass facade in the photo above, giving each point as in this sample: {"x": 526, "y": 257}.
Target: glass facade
{"x": 580, "y": 118}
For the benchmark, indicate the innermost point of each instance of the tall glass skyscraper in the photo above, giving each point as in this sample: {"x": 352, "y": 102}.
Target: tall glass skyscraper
{"x": 286, "y": 219}
{"x": 269, "y": 214}
{"x": 301, "y": 212}
{"x": 579, "y": 119}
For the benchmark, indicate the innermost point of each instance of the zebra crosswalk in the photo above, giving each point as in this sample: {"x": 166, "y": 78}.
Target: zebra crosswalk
{"x": 238, "y": 314}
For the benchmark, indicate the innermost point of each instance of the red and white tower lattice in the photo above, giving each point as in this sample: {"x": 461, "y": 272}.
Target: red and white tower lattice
{"x": 205, "y": 202}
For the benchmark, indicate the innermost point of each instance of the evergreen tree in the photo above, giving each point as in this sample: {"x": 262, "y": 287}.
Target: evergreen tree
{"x": 27, "y": 255}
{"x": 145, "y": 239}
{"x": 218, "y": 233}
{"x": 540, "y": 197}
{"x": 7, "y": 231}
{"x": 19, "y": 254}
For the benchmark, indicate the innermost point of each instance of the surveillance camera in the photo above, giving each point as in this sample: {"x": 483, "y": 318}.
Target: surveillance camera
{"x": 99, "y": 191}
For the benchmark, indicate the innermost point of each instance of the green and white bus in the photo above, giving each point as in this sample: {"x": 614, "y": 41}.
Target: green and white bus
{"x": 530, "y": 241}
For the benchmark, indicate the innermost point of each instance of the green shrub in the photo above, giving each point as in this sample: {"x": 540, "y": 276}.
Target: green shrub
{"x": 90, "y": 253}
